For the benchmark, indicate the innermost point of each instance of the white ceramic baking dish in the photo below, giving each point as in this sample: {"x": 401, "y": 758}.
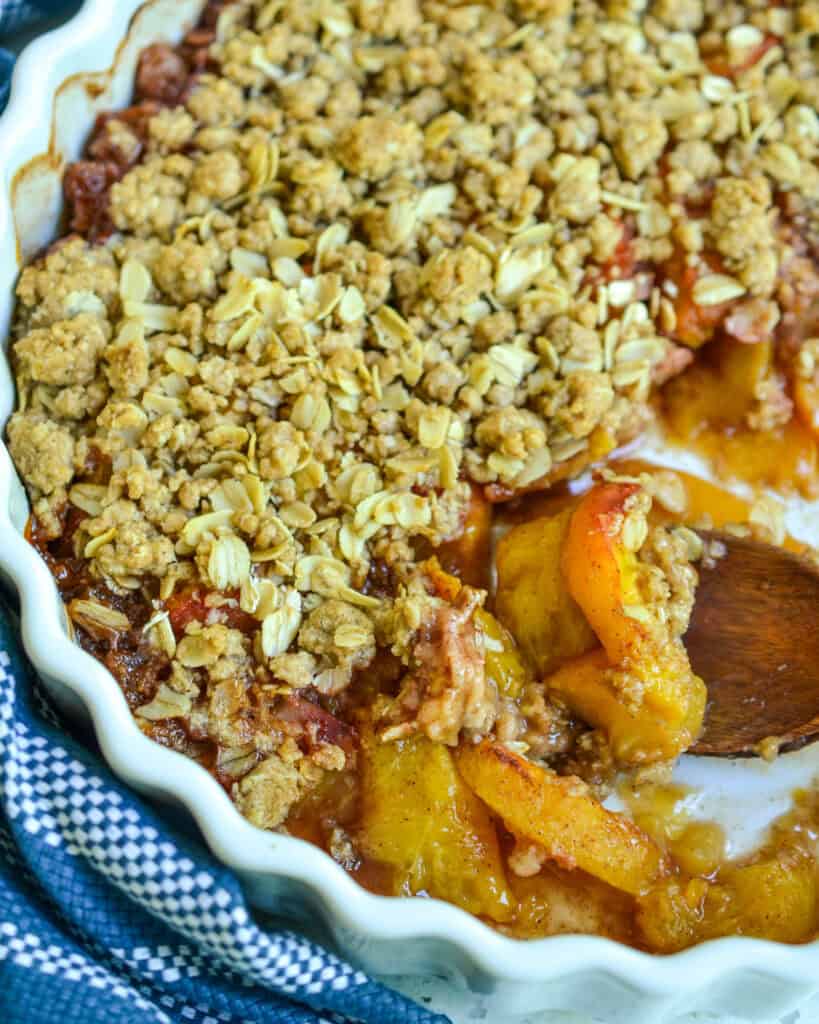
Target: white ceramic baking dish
{"x": 54, "y": 100}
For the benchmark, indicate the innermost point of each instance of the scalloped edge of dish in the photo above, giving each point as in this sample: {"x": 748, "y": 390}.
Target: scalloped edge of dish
{"x": 732, "y": 975}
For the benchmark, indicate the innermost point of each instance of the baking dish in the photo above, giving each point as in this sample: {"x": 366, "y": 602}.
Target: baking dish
{"x": 746, "y": 978}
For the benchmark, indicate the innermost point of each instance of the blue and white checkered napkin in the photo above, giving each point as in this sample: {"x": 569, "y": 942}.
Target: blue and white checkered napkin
{"x": 109, "y": 915}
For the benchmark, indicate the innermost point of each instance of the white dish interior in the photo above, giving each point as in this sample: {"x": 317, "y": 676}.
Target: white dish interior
{"x": 744, "y": 977}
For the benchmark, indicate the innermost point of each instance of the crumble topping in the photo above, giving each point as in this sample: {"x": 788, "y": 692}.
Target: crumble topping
{"x": 366, "y": 255}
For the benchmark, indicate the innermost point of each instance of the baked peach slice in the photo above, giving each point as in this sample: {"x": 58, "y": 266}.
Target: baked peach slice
{"x": 774, "y": 898}
{"x": 560, "y": 814}
{"x": 531, "y": 597}
{"x": 642, "y": 692}
{"x": 806, "y": 402}
{"x": 658, "y": 728}
{"x": 601, "y": 570}
{"x": 425, "y": 825}
{"x": 504, "y": 667}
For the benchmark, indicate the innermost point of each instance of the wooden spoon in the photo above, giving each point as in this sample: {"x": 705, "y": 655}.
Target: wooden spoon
{"x": 754, "y": 639}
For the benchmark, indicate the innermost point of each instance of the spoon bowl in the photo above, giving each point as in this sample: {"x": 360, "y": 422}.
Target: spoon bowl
{"x": 754, "y": 640}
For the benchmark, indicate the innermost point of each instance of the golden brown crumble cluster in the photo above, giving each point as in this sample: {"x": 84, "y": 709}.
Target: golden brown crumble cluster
{"x": 392, "y": 247}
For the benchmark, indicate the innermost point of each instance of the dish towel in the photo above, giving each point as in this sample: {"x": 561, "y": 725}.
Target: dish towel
{"x": 110, "y": 916}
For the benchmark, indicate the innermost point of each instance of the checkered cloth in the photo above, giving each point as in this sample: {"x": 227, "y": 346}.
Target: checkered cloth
{"x": 108, "y": 914}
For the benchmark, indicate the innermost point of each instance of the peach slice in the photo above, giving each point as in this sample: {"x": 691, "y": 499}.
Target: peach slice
{"x": 561, "y": 815}
{"x": 648, "y": 701}
{"x": 531, "y": 597}
{"x": 659, "y": 728}
{"x": 601, "y": 569}
{"x": 421, "y": 820}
